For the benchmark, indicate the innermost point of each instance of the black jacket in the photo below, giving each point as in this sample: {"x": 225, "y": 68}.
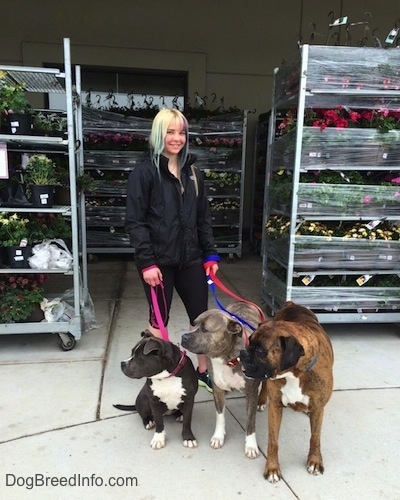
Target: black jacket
{"x": 165, "y": 226}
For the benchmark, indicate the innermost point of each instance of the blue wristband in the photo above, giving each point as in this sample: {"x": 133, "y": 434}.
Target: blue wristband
{"x": 214, "y": 258}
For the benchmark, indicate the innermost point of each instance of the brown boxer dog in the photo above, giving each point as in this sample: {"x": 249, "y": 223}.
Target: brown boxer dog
{"x": 294, "y": 354}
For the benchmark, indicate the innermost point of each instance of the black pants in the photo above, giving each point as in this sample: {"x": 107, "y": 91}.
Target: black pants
{"x": 191, "y": 286}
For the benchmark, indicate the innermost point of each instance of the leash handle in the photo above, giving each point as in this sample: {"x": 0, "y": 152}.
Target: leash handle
{"x": 160, "y": 322}
{"x": 220, "y": 285}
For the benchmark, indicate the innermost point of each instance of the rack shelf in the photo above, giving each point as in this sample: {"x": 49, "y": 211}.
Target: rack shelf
{"x": 330, "y": 215}
{"x": 47, "y": 80}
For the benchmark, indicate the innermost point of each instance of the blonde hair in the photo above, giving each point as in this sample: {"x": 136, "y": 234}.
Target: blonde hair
{"x": 158, "y": 132}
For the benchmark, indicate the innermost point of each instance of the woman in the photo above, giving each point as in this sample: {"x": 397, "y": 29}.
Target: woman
{"x": 169, "y": 223}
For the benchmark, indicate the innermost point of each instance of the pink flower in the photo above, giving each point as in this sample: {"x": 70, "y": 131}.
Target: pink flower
{"x": 367, "y": 199}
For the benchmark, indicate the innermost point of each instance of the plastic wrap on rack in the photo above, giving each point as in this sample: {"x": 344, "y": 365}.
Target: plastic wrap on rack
{"x": 355, "y": 148}
{"x": 221, "y": 183}
{"x": 105, "y": 216}
{"x": 97, "y": 119}
{"x": 217, "y": 158}
{"x": 343, "y": 298}
{"x": 341, "y": 254}
{"x": 351, "y": 74}
{"x": 215, "y": 188}
{"x": 110, "y": 188}
{"x": 346, "y": 199}
{"x": 113, "y": 159}
{"x": 226, "y": 237}
{"x": 360, "y": 69}
{"x": 219, "y": 124}
{"x": 287, "y": 83}
{"x": 352, "y": 147}
{"x": 107, "y": 239}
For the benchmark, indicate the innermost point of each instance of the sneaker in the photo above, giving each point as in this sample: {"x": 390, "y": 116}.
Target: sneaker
{"x": 204, "y": 380}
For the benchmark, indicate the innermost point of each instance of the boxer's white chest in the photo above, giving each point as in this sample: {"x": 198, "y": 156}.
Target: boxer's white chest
{"x": 291, "y": 391}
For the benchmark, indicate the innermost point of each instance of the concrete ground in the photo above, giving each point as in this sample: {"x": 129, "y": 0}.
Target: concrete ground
{"x": 61, "y": 437}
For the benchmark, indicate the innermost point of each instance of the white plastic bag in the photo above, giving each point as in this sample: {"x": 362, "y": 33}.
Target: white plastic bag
{"x": 51, "y": 254}
{"x": 56, "y": 310}
{"x": 86, "y": 307}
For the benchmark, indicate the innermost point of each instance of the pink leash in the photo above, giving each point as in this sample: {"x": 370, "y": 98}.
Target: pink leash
{"x": 163, "y": 330}
{"x": 160, "y": 322}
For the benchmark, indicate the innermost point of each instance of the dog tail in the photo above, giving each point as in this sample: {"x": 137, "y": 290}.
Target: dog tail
{"x": 125, "y": 407}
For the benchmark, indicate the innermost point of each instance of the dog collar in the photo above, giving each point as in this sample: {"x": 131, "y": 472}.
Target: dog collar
{"x": 311, "y": 364}
{"x": 181, "y": 363}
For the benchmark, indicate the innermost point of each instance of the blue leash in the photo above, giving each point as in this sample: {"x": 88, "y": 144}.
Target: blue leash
{"x": 211, "y": 284}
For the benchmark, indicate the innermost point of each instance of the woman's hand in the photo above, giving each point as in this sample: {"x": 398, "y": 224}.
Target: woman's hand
{"x": 152, "y": 276}
{"x": 211, "y": 267}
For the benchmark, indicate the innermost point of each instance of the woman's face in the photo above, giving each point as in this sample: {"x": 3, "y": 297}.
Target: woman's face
{"x": 175, "y": 138}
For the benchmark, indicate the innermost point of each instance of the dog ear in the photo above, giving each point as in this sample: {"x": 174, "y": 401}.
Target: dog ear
{"x": 234, "y": 327}
{"x": 292, "y": 351}
{"x": 152, "y": 345}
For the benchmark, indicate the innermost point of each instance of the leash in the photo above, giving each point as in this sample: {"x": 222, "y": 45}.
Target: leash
{"x": 212, "y": 280}
{"x": 160, "y": 322}
{"x": 163, "y": 330}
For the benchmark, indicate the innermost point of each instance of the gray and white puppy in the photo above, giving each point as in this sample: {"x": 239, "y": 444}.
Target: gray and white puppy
{"x": 221, "y": 337}
{"x": 171, "y": 385}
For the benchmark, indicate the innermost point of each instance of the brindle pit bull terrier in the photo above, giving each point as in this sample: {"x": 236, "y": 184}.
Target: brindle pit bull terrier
{"x": 221, "y": 337}
{"x": 171, "y": 386}
{"x": 294, "y": 353}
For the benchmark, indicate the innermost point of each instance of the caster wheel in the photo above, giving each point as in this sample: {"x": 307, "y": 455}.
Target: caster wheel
{"x": 66, "y": 341}
{"x": 92, "y": 258}
{"x": 231, "y": 258}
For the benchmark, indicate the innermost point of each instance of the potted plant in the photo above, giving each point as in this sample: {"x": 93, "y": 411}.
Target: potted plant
{"x": 85, "y": 183}
{"x": 41, "y": 177}
{"x": 15, "y": 237}
{"x": 49, "y": 124}
{"x": 14, "y": 106}
{"x": 20, "y": 297}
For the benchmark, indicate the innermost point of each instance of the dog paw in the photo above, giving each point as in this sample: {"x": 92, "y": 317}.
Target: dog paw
{"x": 179, "y": 418}
{"x": 273, "y": 476}
{"x": 150, "y": 425}
{"x": 315, "y": 468}
{"x": 217, "y": 442}
{"x": 261, "y": 407}
{"x": 190, "y": 443}
{"x": 251, "y": 448}
{"x": 158, "y": 440}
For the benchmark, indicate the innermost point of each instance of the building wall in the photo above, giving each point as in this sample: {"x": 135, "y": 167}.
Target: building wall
{"x": 229, "y": 47}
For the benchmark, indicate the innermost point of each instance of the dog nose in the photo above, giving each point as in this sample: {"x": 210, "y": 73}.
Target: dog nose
{"x": 123, "y": 364}
{"x": 184, "y": 339}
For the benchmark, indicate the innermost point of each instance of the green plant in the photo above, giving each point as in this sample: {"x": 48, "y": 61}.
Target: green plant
{"x": 41, "y": 170}
{"x": 49, "y": 226}
{"x": 48, "y": 123}
{"x": 19, "y": 296}
{"x": 85, "y": 183}
{"x": 13, "y": 229}
{"x": 12, "y": 96}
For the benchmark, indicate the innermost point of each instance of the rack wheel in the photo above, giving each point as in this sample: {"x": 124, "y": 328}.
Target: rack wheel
{"x": 92, "y": 258}
{"x": 66, "y": 341}
{"x": 231, "y": 258}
